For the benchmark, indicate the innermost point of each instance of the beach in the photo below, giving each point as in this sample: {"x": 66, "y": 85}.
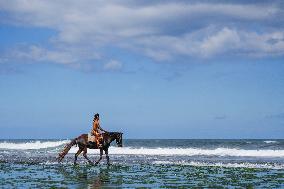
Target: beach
{"x": 151, "y": 163}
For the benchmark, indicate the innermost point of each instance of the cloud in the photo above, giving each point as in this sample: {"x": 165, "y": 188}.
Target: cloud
{"x": 161, "y": 30}
{"x": 221, "y": 41}
{"x": 34, "y": 53}
{"x": 112, "y": 65}
{"x": 207, "y": 43}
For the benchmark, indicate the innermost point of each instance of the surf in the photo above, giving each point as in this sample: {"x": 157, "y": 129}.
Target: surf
{"x": 54, "y": 147}
{"x": 191, "y": 152}
{"x": 32, "y": 145}
{"x": 221, "y": 164}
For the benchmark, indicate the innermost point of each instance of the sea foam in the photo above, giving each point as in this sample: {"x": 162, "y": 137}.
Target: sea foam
{"x": 270, "y": 141}
{"x": 57, "y": 146}
{"x": 190, "y": 152}
{"x": 221, "y": 164}
{"x": 33, "y": 145}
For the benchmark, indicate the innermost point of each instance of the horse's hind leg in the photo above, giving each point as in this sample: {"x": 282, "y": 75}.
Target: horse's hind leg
{"x": 85, "y": 156}
{"x": 77, "y": 154}
{"x": 101, "y": 156}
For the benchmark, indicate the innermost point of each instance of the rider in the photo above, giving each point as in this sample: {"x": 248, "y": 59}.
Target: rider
{"x": 96, "y": 131}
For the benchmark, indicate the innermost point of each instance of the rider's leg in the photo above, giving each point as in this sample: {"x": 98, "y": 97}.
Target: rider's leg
{"x": 99, "y": 144}
{"x": 101, "y": 141}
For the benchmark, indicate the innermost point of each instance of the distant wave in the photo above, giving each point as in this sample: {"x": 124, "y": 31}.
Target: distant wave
{"x": 190, "y": 152}
{"x": 56, "y": 146}
{"x": 228, "y": 165}
{"x": 270, "y": 141}
{"x": 32, "y": 145}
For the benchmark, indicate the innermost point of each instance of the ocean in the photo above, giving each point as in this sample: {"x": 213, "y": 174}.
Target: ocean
{"x": 151, "y": 163}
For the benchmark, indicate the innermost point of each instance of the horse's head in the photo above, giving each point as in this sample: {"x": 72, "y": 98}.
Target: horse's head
{"x": 118, "y": 139}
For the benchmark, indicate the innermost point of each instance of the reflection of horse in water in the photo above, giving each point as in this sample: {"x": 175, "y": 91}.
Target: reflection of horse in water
{"x": 86, "y": 177}
{"x": 83, "y": 144}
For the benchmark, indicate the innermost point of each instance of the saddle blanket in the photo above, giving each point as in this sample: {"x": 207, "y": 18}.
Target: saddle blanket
{"x": 91, "y": 138}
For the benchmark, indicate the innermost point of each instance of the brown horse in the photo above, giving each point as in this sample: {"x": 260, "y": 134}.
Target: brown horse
{"x": 83, "y": 144}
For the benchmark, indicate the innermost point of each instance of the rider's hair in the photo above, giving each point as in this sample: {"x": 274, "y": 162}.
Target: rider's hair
{"x": 96, "y": 116}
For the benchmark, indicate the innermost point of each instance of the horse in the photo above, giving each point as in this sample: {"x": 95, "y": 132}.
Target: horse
{"x": 83, "y": 144}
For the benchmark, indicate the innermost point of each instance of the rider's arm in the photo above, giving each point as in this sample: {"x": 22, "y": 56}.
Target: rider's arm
{"x": 94, "y": 128}
{"x": 99, "y": 126}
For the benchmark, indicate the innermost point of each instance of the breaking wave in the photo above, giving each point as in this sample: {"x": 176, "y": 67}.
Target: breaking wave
{"x": 270, "y": 141}
{"x": 33, "y": 145}
{"x": 190, "y": 152}
{"x": 56, "y": 146}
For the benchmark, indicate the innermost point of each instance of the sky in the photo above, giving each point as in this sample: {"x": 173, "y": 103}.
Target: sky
{"x": 152, "y": 69}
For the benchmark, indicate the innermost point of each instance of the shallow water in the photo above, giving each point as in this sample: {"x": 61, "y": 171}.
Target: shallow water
{"x": 146, "y": 163}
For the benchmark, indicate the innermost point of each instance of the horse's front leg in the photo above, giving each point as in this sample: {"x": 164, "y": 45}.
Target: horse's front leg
{"x": 101, "y": 156}
{"x": 107, "y": 157}
{"x": 86, "y": 157}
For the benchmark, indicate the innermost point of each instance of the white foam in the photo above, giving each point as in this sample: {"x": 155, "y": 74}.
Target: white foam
{"x": 228, "y": 165}
{"x": 190, "y": 152}
{"x": 32, "y": 145}
{"x": 270, "y": 141}
{"x": 148, "y": 151}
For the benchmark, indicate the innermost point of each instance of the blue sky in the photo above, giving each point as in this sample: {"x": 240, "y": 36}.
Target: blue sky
{"x": 163, "y": 69}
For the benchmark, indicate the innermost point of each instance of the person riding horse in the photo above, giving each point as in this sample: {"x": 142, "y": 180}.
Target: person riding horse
{"x": 96, "y": 130}
{"x": 102, "y": 140}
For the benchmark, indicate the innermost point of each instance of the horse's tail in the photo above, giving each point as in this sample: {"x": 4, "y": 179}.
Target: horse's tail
{"x": 66, "y": 149}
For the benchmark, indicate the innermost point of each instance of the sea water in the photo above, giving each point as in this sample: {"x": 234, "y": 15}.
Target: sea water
{"x": 146, "y": 164}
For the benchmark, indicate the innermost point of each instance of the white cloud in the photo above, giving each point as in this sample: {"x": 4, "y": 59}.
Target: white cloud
{"x": 207, "y": 44}
{"x": 39, "y": 54}
{"x": 64, "y": 56}
{"x": 223, "y": 40}
{"x": 160, "y": 30}
{"x": 112, "y": 65}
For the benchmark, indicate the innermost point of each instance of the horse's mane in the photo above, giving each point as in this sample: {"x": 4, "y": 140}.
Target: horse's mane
{"x": 112, "y": 133}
